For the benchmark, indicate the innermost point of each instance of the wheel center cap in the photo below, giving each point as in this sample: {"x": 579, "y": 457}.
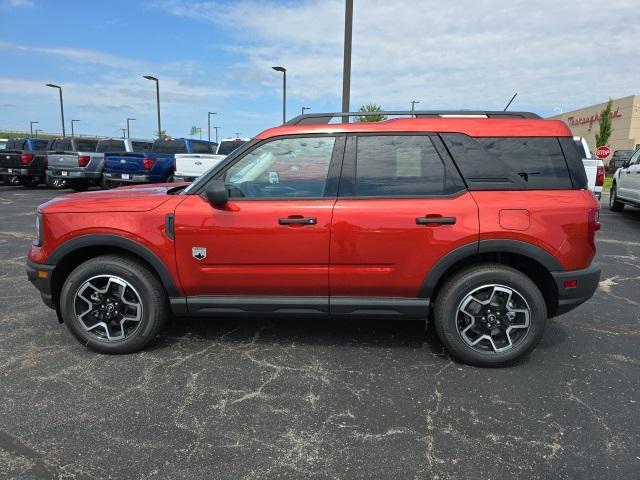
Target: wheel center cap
{"x": 110, "y": 308}
{"x": 491, "y": 317}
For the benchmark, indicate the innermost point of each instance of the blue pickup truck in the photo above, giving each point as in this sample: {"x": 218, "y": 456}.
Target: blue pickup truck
{"x": 156, "y": 166}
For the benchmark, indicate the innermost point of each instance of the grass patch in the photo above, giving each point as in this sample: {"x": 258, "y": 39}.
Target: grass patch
{"x": 607, "y": 184}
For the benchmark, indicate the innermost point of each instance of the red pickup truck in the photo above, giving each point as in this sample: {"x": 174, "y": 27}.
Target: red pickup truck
{"x": 478, "y": 221}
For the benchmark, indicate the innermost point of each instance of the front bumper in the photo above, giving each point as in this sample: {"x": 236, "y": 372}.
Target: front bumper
{"x": 586, "y": 282}
{"x": 40, "y": 276}
{"x": 73, "y": 174}
{"x": 128, "y": 177}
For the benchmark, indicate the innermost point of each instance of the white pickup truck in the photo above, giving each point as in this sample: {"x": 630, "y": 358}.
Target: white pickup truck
{"x": 625, "y": 187}
{"x": 594, "y": 167}
{"x": 190, "y": 166}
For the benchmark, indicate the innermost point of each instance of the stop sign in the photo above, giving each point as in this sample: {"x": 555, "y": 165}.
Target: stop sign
{"x": 603, "y": 152}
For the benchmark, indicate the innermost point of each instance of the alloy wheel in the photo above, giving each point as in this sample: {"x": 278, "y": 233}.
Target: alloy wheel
{"x": 108, "y": 307}
{"x": 493, "y": 318}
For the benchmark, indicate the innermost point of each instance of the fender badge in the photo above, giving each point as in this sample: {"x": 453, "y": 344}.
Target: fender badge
{"x": 199, "y": 253}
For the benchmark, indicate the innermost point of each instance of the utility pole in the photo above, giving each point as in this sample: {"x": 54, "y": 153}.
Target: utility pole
{"x": 346, "y": 70}
{"x": 209, "y": 125}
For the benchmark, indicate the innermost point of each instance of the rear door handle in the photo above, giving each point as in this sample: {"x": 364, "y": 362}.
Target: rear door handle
{"x": 298, "y": 221}
{"x": 435, "y": 220}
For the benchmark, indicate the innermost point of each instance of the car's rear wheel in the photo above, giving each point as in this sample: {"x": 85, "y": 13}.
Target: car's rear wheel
{"x": 113, "y": 304}
{"x": 79, "y": 185}
{"x": 489, "y": 315}
{"x": 10, "y": 180}
{"x": 29, "y": 182}
{"x": 57, "y": 183}
{"x": 614, "y": 204}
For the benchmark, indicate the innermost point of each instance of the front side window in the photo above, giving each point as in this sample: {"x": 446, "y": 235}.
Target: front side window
{"x": 402, "y": 165}
{"x": 285, "y": 168}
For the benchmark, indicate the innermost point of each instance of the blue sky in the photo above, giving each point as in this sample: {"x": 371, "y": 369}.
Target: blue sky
{"x": 216, "y": 56}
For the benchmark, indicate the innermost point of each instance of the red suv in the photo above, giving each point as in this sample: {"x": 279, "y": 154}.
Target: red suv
{"x": 479, "y": 221}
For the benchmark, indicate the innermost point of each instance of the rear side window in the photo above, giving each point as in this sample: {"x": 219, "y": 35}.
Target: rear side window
{"x": 86, "y": 145}
{"x": 111, "y": 146}
{"x": 141, "y": 147}
{"x": 402, "y": 166}
{"x": 199, "y": 147}
{"x": 511, "y": 163}
{"x": 169, "y": 146}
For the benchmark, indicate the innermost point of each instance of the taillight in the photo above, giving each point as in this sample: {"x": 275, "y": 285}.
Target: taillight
{"x": 593, "y": 227}
{"x": 26, "y": 159}
{"x": 83, "y": 160}
{"x": 147, "y": 163}
{"x": 600, "y": 177}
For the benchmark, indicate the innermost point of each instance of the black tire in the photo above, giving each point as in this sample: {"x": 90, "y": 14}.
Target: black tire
{"x": 106, "y": 184}
{"x": 79, "y": 185}
{"x": 614, "y": 204}
{"x": 10, "y": 180}
{"x": 29, "y": 182}
{"x": 57, "y": 183}
{"x": 456, "y": 289}
{"x": 149, "y": 290}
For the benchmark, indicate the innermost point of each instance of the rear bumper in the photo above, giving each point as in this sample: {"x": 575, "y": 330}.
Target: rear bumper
{"x": 40, "y": 276}
{"x": 183, "y": 178}
{"x": 587, "y": 281}
{"x": 74, "y": 174}
{"x": 23, "y": 172}
{"x": 133, "y": 178}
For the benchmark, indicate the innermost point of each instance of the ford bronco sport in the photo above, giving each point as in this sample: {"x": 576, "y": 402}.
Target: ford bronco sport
{"x": 479, "y": 221}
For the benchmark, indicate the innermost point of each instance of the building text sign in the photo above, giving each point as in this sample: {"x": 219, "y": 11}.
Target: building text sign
{"x": 574, "y": 122}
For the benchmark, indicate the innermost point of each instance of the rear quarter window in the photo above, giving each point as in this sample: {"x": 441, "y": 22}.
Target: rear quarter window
{"x": 511, "y": 163}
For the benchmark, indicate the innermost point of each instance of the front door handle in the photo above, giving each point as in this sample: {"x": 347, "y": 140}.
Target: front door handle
{"x": 435, "y": 220}
{"x": 295, "y": 220}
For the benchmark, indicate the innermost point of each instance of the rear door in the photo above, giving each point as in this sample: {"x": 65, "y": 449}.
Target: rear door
{"x": 401, "y": 207}
{"x": 269, "y": 245}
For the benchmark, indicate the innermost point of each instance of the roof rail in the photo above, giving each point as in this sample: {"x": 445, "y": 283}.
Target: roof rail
{"x": 323, "y": 118}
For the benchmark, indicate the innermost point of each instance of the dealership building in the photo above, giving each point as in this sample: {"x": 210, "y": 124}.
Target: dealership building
{"x": 625, "y": 123}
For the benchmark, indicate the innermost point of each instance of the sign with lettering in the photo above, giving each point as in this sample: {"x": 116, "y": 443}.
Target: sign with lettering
{"x": 574, "y": 122}
{"x": 603, "y": 152}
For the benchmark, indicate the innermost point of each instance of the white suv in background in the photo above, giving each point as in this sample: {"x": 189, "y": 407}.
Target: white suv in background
{"x": 625, "y": 189}
{"x": 594, "y": 167}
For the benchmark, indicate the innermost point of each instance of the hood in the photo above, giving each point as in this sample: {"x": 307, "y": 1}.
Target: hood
{"x": 137, "y": 198}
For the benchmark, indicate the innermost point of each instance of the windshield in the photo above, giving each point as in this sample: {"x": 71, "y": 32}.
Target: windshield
{"x": 169, "y": 146}
{"x": 228, "y": 146}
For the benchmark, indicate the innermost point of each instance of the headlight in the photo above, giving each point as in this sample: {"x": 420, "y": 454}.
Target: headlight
{"x": 39, "y": 230}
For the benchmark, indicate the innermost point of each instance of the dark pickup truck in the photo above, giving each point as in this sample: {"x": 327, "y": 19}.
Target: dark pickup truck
{"x": 25, "y": 159}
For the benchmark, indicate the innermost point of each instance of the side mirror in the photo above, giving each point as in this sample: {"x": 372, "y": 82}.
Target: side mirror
{"x": 216, "y": 192}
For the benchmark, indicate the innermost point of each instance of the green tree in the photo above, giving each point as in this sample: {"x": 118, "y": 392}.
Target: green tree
{"x": 604, "y": 132}
{"x": 162, "y": 134}
{"x": 371, "y": 108}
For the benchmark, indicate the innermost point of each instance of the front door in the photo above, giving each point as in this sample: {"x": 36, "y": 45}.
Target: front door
{"x": 629, "y": 179}
{"x": 402, "y": 206}
{"x": 272, "y": 238}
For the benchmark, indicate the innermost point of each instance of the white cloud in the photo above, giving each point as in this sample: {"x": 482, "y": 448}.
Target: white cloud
{"x": 6, "y": 4}
{"x": 446, "y": 54}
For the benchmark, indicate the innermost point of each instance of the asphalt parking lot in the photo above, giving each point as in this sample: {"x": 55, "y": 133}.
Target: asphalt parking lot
{"x": 263, "y": 399}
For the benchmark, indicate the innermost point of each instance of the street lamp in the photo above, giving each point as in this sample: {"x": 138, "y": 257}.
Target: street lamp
{"x": 305, "y": 108}
{"x": 149, "y": 77}
{"x": 128, "y": 127}
{"x": 61, "y": 105}
{"x": 284, "y": 91}
{"x": 346, "y": 69}
{"x": 209, "y": 125}
{"x": 124, "y": 132}
{"x": 31, "y": 126}
{"x": 36, "y": 131}
{"x": 72, "y": 126}
{"x": 413, "y": 105}
{"x": 216, "y": 133}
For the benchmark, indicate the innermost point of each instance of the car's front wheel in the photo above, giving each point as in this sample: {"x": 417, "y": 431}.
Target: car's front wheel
{"x": 79, "y": 185}
{"x": 113, "y": 304}
{"x": 489, "y": 315}
{"x": 614, "y": 204}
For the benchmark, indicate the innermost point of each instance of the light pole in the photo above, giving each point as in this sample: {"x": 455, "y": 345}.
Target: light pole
{"x": 209, "y": 125}
{"x": 36, "y": 132}
{"x": 129, "y": 127}
{"x": 305, "y": 108}
{"x": 216, "y": 133}
{"x": 72, "y": 133}
{"x": 149, "y": 77}
{"x": 346, "y": 69}
{"x": 61, "y": 105}
{"x": 31, "y": 126}
{"x": 124, "y": 132}
{"x": 413, "y": 105}
{"x": 284, "y": 91}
